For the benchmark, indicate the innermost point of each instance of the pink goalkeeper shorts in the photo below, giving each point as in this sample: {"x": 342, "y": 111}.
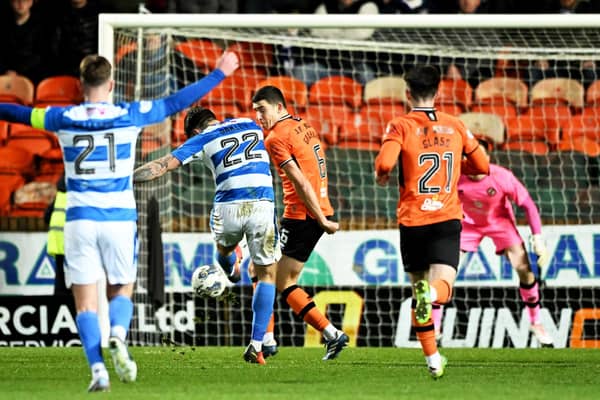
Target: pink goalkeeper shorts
{"x": 503, "y": 235}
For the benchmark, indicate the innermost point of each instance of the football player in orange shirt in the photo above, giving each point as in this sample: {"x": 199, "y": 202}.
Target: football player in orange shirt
{"x": 429, "y": 147}
{"x": 298, "y": 155}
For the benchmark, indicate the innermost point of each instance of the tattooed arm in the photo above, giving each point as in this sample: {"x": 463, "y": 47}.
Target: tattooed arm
{"x": 155, "y": 169}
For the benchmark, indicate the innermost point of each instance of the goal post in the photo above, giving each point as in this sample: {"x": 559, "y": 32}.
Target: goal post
{"x": 525, "y": 82}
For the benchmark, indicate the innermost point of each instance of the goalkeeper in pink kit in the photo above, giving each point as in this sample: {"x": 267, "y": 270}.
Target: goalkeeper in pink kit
{"x": 487, "y": 207}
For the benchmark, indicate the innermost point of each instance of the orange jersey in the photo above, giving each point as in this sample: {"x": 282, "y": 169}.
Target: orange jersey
{"x": 294, "y": 140}
{"x": 429, "y": 146}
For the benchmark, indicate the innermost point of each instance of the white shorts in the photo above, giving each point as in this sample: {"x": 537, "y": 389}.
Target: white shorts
{"x": 230, "y": 222}
{"x": 94, "y": 248}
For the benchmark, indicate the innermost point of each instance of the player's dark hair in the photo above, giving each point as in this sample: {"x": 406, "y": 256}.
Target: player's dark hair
{"x": 484, "y": 143}
{"x": 271, "y": 94}
{"x": 197, "y": 119}
{"x": 94, "y": 70}
{"x": 423, "y": 82}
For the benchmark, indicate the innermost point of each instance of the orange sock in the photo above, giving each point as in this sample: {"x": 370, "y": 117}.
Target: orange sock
{"x": 304, "y": 307}
{"x": 443, "y": 289}
{"x": 271, "y": 326}
{"x": 425, "y": 334}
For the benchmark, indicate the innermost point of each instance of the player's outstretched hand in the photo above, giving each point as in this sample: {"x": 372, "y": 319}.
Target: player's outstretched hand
{"x": 382, "y": 180}
{"x": 330, "y": 227}
{"x": 228, "y": 63}
{"x": 539, "y": 248}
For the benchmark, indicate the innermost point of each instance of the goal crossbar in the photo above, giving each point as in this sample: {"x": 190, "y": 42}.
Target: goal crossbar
{"x": 108, "y": 22}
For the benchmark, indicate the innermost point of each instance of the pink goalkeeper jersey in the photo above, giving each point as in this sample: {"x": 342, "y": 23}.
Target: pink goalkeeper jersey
{"x": 488, "y": 201}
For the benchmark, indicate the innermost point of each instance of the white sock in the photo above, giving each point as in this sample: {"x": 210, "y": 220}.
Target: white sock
{"x": 432, "y": 294}
{"x": 268, "y": 338}
{"x": 99, "y": 371}
{"x": 119, "y": 332}
{"x": 257, "y": 344}
{"x": 434, "y": 360}
{"x": 330, "y": 332}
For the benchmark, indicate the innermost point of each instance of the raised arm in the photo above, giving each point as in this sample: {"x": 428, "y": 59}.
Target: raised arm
{"x": 309, "y": 198}
{"x": 155, "y": 169}
{"x": 184, "y": 98}
{"x": 15, "y": 113}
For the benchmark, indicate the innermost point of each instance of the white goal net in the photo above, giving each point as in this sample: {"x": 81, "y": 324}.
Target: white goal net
{"x": 528, "y": 84}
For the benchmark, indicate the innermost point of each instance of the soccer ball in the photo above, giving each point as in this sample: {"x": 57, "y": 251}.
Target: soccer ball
{"x": 209, "y": 280}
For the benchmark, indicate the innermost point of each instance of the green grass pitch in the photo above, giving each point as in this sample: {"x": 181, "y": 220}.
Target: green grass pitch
{"x": 212, "y": 373}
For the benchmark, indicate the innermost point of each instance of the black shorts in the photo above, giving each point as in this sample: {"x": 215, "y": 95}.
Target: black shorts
{"x": 424, "y": 245}
{"x": 299, "y": 237}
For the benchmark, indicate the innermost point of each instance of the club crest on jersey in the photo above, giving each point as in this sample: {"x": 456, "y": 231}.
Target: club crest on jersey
{"x": 491, "y": 191}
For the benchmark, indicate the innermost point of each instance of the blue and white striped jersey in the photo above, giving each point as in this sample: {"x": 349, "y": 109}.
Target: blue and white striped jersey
{"x": 234, "y": 151}
{"x": 98, "y": 142}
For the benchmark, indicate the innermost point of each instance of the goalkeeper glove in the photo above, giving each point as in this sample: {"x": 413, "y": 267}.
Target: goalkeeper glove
{"x": 539, "y": 248}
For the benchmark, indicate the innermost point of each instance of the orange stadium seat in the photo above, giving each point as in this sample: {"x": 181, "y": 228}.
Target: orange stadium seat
{"x": 36, "y": 141}
{"x": 204, "y": 53}
{"x": 490, "y": 126}
{"x": 497, "y": 107}
{"x": 550, "y": 115}
{"x": 512, "y": 90}
{"x": 58, "y": 91}
{"x": 248, "y": 114}
{"x": 592, "y": 100}
{"x": 51, "y": 162}
{"x": 253, "y": 54}
{"x": 386, "y": 90}
{"x": 361, "y": 131}
{"x": 592, "y": 94}
{"x": 8, "y": 184}
{"x": 232, "y": 91}
{"x": 450, "y": 108}
{"x": 554, "y": 100}
{"x": 558, "y": 91}
{"x": 225, "y": 111}
{"x": 16, "y": 89}
{"x": 154, "y": 137}
{"x": 336, "y": 90}
{"x": 454, "y": 95}
{"x": 3, "y": 132}
{"x": 52, "y": 178}
{"x": 32, "y": 199}
{"x": 251, "y": 78}
{"x": 294, "y": 90}
{"x": 501, "y": 96}
{"x": 148, "y": 146}
{"x": 592, "y": 111}
{"x": 123, "y": 50}
{"x": 327, "y": 119}
{"x": 371, "y": 122}
{"x": 581, "y": 134}
{"x": 385, "y": 112}
{"x": 236, "y": 89}
{"x": 523, "y": 133}
{"x": 17, "y": 160}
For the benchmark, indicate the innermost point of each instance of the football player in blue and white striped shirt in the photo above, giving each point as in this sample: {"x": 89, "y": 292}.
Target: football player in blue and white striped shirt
{"x": 244, "y": 202}
{"x": 98, "y": 144}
